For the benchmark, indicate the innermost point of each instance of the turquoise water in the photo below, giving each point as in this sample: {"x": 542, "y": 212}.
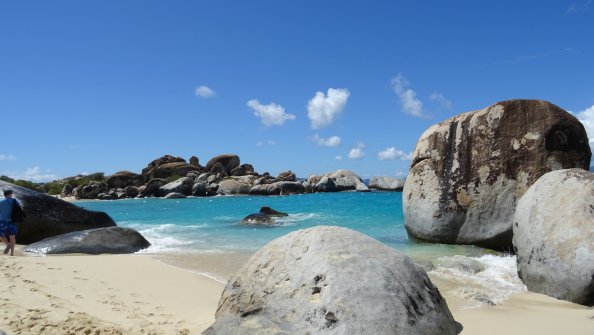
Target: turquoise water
{"x": 213, "y": 224}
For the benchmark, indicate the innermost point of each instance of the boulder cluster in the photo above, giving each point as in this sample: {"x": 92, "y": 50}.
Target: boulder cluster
{"x": 174, "y": 177}
{"x": 512, "y": 176}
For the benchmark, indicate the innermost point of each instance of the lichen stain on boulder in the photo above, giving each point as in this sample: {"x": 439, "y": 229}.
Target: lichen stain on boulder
{"x": 468, "y": 172}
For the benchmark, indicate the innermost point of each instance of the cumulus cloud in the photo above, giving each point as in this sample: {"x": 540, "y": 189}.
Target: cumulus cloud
{"x": 391, "y": 154}
{"x": 323, "y": 109}
{"x": 408, "y": 98}
{"x": 586, "y": 117}
{"x": 357, "y": 152}
{"x": 332, "y": 141}
{"x": 441, "y": 100}
{"x": 35, "y": 175}
{"x": 271, "y": 114}
{"x": 205, "y": 92}
{"x": 4, "y": 157}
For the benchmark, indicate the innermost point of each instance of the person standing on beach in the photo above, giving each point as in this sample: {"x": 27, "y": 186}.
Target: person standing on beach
{"x": 7, "y": 227}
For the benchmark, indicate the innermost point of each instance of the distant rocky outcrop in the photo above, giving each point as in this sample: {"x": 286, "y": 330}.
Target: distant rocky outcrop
{"x": 339, "y": 180}
{"x": 469, "y": 171}
{"x": 386, "y": 183}
{"x": 48, "y": 216}
{"x": 222, "y": 175}
{"x": 554, "y": 236}
{"x": 112, "y": 240}
{"x": 314, "y": 281}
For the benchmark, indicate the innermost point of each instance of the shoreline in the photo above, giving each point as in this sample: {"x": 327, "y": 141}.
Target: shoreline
{"x": 179, "y": 294}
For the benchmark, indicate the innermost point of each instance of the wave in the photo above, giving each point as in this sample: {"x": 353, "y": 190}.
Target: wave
{"x": 485, "y": 280}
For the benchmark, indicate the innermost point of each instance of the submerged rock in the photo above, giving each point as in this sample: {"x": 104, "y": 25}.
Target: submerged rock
{"x": 469, "y": 171}
{"x": 112, "y": 240}
{"x": 554, "y": 236}
{"x": 331, "y": 280}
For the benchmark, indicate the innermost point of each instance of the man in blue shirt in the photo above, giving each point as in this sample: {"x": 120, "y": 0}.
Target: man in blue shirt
{"x": 7, "y": 227}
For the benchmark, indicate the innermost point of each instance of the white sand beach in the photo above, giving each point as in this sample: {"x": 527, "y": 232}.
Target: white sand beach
{"x": 144, "y": 294}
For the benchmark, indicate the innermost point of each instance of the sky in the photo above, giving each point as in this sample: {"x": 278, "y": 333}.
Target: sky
{"x": 306, "y": 86}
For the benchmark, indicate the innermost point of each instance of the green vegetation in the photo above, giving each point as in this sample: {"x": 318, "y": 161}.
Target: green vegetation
{"x": 56, "y": 186}
{"x": 173, "y": 178}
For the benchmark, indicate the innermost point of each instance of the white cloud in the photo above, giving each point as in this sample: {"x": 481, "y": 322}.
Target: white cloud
{"x": 332, "y": 141}
{"x": 357, "y": 152}
{"x": 441, "y": 100}
{"x": 269, "y": 143}
{"x": 578, "y": 8}
{"x": 35, "y": 175}
{"x": 205, "y": 92}
{"x": 271, "y": 114}
{"x": 408, "y": 98}
{"x": 391, "y": 153}
{"x": 338, "y": 158}
{"x": 4, "y": 157}
{"x": 586, "y": 117}
{"x": 323, "y": 109}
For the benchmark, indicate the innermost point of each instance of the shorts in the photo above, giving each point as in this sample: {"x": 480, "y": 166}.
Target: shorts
{"x": 7, "y": 228}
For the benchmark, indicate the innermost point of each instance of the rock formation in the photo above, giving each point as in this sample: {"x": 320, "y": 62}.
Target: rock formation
{"x": 554, "y": 236}
{"x": 331, "y": 280}
{"x": 468, "y": 172}
{"x": 112, "y": 240}
{"x": 386, "y": 183}
{"x": 48, "y": 216}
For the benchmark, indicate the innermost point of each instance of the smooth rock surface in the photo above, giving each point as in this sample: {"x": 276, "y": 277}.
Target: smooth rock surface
{"x": 386, "y": 183}
{"x": 469, "y": 171}
{"x": 112, "y": 240}
{"x": 554, "y": 236}
{"x": 48, "y": 216}
{"x": 331, "y": 280}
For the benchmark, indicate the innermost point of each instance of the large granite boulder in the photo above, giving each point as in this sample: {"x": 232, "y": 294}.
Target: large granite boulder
{"x": 231, "y": 186}
{"x": 228, "y": 162}
{"x": 258, "y": 219}
{"x": 92, "y": 190}
{"x": 278, "y": 188}
{"x": 337, "y": 181}
{"x": 151, "y": 189}
{"x": 469, "y": 171}
{"x": 122, "y": 179}
{"x": 48, "y": 216}
{"x": 182, "y": 185}
{"x": 112, "y": 240}
{"x": 554, "y": 236}
{"x": 286, "y": 176}
{"x": 330, "y": 280}
{"x": 386, "y": 183}
{"x": 149, "y": 172}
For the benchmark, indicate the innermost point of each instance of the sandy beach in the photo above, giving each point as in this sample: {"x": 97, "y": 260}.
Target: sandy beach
{"x": 148, "y": 294}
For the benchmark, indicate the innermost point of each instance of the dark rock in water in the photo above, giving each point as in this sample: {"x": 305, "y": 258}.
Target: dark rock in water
{"x": 554, "y": 236}
{"x": 112, "y": 240}
{"x": 314, "y": 281}
{"x": 272, "y": 212}
{"x": 258, "y": 219}
{"x": 48, "y": 216}
{"x": 175, "y": 195}
{"x": 469, "y": 171}
{"x": 227, "y": 161}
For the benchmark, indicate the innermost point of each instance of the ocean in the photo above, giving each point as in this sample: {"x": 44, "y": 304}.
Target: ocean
{"x": 211, "y": 225}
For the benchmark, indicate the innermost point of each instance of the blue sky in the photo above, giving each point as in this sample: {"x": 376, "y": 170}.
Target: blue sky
{"x": 308, "y": 86}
